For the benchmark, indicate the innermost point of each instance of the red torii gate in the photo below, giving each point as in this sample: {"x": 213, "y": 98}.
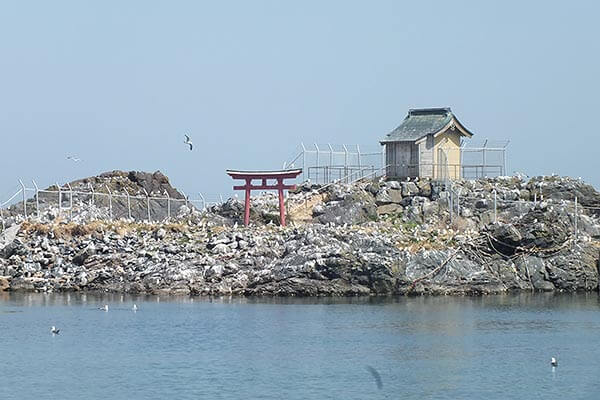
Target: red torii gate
{"x": 280, "y": 175}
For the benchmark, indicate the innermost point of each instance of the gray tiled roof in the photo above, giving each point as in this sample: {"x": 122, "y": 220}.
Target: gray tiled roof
{"x": 419, "y": 123}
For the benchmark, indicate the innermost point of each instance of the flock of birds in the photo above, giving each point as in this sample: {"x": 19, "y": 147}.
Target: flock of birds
{"x": 56, "y": 331}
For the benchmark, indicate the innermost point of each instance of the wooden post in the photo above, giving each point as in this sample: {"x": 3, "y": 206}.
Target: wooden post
{"x": 281, "y": 202}
{"x": 247, "y": 203}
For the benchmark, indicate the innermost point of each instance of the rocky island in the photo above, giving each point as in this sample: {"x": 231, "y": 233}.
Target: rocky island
{"x": 372, "y": 237}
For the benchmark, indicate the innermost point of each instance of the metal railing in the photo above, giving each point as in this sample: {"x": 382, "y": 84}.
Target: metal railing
{"x": 326, "y": 163}
{"x": 353, "y": 177}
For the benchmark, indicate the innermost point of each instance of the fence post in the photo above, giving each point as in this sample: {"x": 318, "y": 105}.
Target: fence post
{"x": 327, "y": 172}
{"x": 147, "y": 203}
{"x": 24, "y": 198}
{"x": 304, "y": 163}
{"x": 484, "y": 167}
{"x": 358, "y": 160}
{"x": 70, "y": 202}
{"x": 495, "y": 207}
{"x": 92, "y": 190}
{"x": 110, "y": 216}
{"x": 450, "y": 202}
{"x": 37, "y": 198}
{"x": 576, "y": 227}
{"x": 168, "y": 205}
{"x": 345, "y": 162}
{"x": 317, "y": 169}
{"x": 59, "y": 199}
{"x": 185, "y": 198}
{"x": 128, "y": 204}
{"x": 203, "y": 202}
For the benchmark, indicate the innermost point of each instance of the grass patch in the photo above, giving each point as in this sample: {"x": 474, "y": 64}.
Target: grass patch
{"x": 67, "y": 230}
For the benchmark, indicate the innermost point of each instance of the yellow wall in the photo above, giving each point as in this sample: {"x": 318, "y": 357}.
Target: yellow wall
{"x": 449, "y": 141}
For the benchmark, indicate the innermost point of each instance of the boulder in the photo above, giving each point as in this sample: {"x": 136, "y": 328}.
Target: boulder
{"x": 160, "y": 233}
{"x": 409, "y": 189}
{"x": 506, "y": 238}
{"x": 387, "y": 196}
{"x": 393, "y": 185}
{"x": 4, "y": 283}
{"x": 424, "y": 188}
{"x": 84, "y": 254}
{"x": 389, "y": 209}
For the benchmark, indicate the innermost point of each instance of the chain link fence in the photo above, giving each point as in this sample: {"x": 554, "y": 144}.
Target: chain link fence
{"x": 64, "y": 202}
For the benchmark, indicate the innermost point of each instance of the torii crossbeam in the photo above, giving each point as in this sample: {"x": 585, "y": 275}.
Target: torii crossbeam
{"x": 264, "y": 176}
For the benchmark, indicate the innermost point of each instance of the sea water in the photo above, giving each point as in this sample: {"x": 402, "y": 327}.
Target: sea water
{"x": 493, "y": 347}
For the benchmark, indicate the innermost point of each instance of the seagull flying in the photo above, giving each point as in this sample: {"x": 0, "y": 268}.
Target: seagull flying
{"x": 188, "y": 142}
{"x": 54, "y": 330}
{"x": 376, "y": 376}
{"x": 73, "y": 158}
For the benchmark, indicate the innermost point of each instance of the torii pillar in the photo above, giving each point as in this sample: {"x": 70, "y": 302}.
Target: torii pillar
{"x": 264, "y": 176}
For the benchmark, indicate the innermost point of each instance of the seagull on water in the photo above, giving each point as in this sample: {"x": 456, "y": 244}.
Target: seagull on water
{"x": 104, "y": 307}
{"x": 134, "y": 308}
{"x": 188, "y": 142}
{"x": 54, "y": 330}
{"x": 554, "y": 362}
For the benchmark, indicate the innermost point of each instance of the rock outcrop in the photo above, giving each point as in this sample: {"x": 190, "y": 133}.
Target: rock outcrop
{"x": 88, "y": 198}
{"x": 368, "y": 238}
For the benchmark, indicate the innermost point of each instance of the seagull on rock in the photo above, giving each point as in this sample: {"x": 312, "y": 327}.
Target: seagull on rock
{"x": 54, "y": 330}
{"x": 188, "y": 142}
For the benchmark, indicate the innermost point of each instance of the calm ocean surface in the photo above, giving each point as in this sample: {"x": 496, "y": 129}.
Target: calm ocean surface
{"x": 495, "y": 347}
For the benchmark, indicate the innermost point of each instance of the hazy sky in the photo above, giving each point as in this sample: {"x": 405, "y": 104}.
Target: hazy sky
{"x": 118, "y": 83}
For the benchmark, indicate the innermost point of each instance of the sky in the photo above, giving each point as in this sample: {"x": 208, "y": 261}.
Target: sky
{"x": 118, "y": 83}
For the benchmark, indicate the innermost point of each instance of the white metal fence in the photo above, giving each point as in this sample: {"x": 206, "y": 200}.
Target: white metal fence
{"x": 575, "y": 210}
{"x": 69, "y": 203}
{"x": 327, "y": 163}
